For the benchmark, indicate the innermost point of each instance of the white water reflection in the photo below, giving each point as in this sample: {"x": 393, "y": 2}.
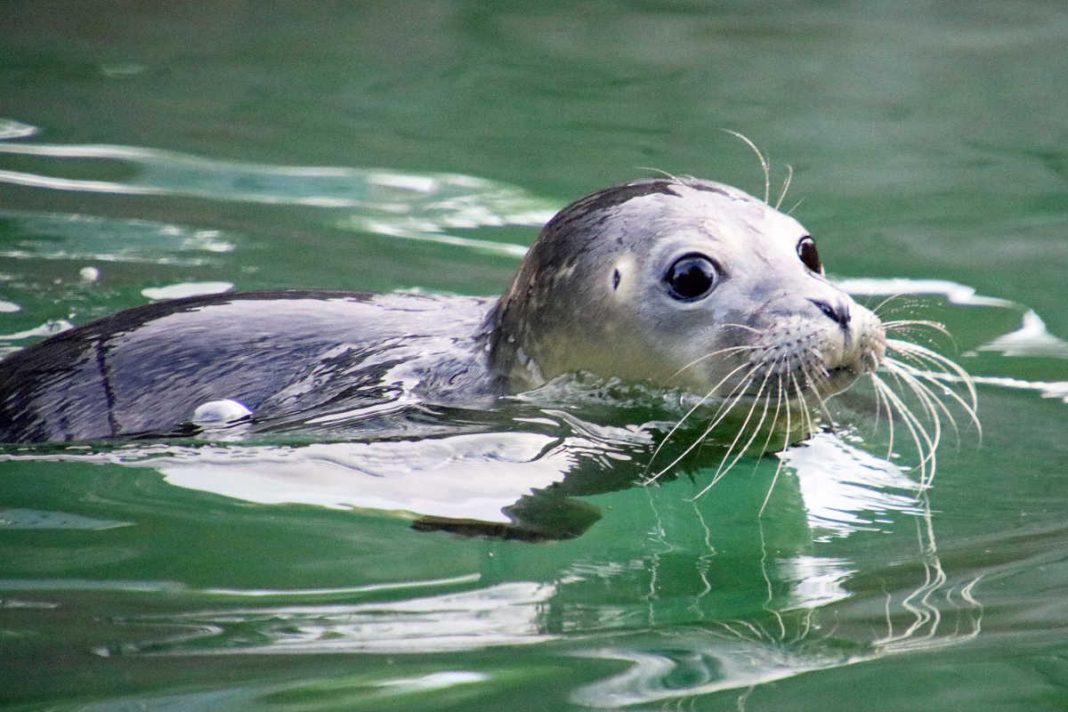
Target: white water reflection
{"x": 682, "y": 665}
{"x": 846, "y": 489}
{"x": 499, "y": 615}
{"x": 462, "y": 477}
{"x": 693, "y": 664}
{"x": 475, "y": 476}
{"x": 422, "y": 206}
{"x": 1057, "y": 390}
{"x": 11, "y": 129}
{"x": 953, "y": 291}
{"x": 87, "y": 238}
{"x": 186, "y": 289}
{"x": 49, "y": 328}
{"x": 1031, "y": 339}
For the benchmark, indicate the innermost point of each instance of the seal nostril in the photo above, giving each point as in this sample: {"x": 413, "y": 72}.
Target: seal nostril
{"x": 838, "y": 313}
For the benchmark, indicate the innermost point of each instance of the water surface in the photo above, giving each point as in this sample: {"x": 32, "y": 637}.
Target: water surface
{"x": 153, "y": 151}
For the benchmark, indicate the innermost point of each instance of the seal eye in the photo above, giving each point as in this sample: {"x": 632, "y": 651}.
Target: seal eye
{"x": 806, "y": 250}
{"x": 690, "y": 278}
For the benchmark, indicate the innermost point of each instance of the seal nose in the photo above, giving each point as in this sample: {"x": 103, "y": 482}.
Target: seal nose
{"x": 838, "y": 312}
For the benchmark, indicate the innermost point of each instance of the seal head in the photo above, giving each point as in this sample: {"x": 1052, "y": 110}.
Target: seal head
{"x": 681, "y": 283}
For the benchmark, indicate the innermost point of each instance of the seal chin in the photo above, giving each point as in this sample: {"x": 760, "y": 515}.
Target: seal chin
{"x": 802, "y": 358}
{"x": 837, "y": 380}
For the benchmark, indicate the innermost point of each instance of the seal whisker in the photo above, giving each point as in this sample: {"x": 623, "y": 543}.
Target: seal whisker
{"x": 724, "y": 467}
{"x": 813, "y": 381}
{"x": 730, "y": 401}
{"x": 919, "y": 434}
{"x": 784, "y": 392}
{"x": 895, "y": 408}
{"x": 879, "y": 307}
{"x": 725, "y": 408}
{"x": 733, "y": 325}
{"x": 764, "y": 165}
{"x": 915, "y": 380}
{"x": 924, "y": 355}
{"x": 670, "y": 176}
{"x": 881, "y": 402}
{"x": 806, "y": 412}
{"x": 930, "y": 378}
{"x": 744, "y": 383}
{"x": 916, "y": 328}
{"x": 711, "y": 354}
{"x": 926, "y": 399}
{"x": 897, "y": 324}
{"x": 781, "y": 395}
{"x": 782, "y": 461}
{"x": 785, "y": 185}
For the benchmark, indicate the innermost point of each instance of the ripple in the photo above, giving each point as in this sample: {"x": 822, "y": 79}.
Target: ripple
{"x": 11, "y": 129}
{"x": 1031, "y": 339}
{"x": 186, "y": 289}
{"x": 1056, "y": 390}
{"x": 87, "y": 238}
{"x": 503, "y": 614}
{"x": 419, "y": 206}
{"x": 697, "y": 665}
{"x": 465, "y": 477}
{"x": 847, "y": 490}
{"x": 8, "y": 342}
{"x": 39, "y": 519}
{"x": 953, "y": 291}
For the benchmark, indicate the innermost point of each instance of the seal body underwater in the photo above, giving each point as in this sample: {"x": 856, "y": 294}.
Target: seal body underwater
{"x": 677, "y": 282}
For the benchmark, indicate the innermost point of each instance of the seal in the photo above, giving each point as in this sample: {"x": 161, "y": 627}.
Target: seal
{"x": 675, "y": 282}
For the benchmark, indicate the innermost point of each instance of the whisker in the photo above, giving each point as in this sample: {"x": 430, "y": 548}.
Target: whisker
{"x": 915, "y": 378}
{"x": 775, "y": 416}
{"x": 806, "y": 412}
{"x": 782, "y": 461}
{"x": 730, "y": 401}
{"x": 717, "y": 352}
{"x": 813, "y": 386}
{"x": 661, "y": 172}
{"x": 881, "y": 399}
{"x": 948, "y": 392}
{"x": 724, "y": 467}
{"x": 926, "y": 400}
{"x": 760, "y": 156}
{"x": 785, "y": 185}
{"x": 744, "y": 381}
{"x": 937, "y": 359}
{"x": 919, "y": 434}
{"x": 938, "y": 326}
{"x": 878, "y": 307}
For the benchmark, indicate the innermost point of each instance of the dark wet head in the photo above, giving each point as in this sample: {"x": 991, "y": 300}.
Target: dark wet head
{"x": 682, "y": 283}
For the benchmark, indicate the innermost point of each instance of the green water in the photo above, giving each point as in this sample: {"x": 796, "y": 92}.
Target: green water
{"x": 179, "y": 147}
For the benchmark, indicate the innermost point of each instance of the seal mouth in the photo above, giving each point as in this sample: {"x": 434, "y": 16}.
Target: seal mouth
{"x": 837, "y": 379}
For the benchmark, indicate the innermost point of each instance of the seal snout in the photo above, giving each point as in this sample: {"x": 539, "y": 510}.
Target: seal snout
{"x": 838, "y": 312}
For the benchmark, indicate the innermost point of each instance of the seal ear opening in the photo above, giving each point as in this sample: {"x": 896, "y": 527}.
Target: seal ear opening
{"x": 616, "y": 276}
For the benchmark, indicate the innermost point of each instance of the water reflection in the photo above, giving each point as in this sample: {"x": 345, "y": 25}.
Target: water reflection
{"x": 817, "y": 625}
{"x": 419, "y": 206}
{"x": 502, "y": 615}
{"x": 691, "y": 579}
